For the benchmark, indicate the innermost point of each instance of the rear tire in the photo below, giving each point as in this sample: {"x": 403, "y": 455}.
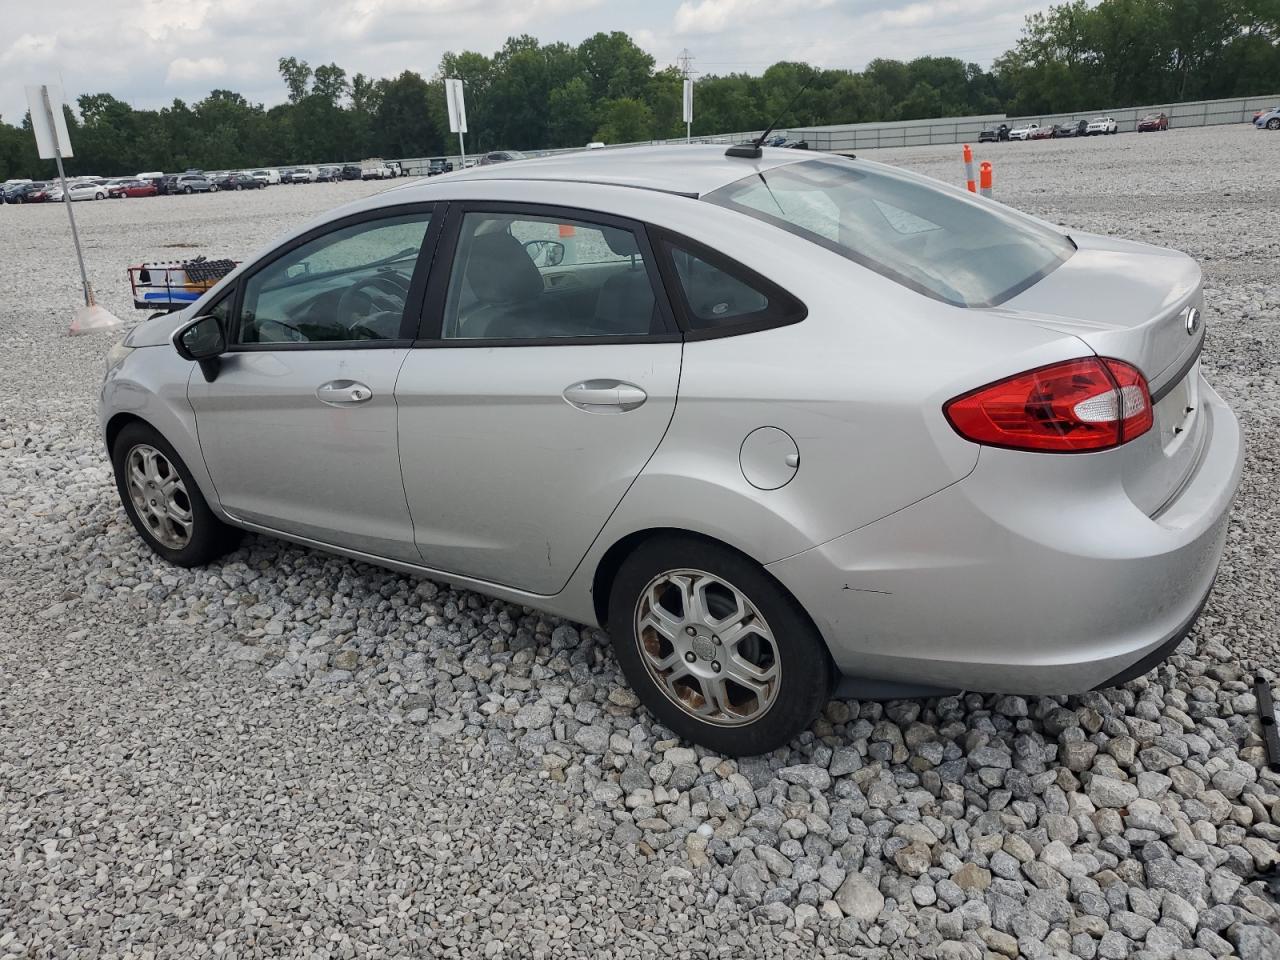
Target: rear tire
{"x": 170, "y": 514}
{"x": 746, "y": 694}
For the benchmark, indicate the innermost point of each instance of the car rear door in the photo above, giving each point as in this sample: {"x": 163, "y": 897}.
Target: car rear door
{"x": 298, "y": 427}
{"x": 544, "y": 379}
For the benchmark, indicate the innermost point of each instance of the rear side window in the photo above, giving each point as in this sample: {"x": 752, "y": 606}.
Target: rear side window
{"x": 719, "y": 296}
{"x": 962, "y": 250}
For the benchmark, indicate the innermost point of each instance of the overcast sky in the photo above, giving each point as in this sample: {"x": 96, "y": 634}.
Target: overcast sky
{"x": 150, "y": 51}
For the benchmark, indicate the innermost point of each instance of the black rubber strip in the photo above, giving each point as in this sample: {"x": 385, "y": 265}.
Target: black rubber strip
{"x": 1166, "y": 388}
{"x": 1267, "y": 714}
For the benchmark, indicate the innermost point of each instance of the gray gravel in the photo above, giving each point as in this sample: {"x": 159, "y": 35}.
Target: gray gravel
{"x": 289, "y": 754}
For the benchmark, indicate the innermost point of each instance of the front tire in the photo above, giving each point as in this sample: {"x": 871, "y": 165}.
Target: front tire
{"x": 163, "y": 502}
{"x": 716, "y": 649}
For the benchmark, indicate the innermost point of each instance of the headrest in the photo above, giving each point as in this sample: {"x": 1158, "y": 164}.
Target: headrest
{"x": 500, "y": 271}
{"x": 621, "y": 242}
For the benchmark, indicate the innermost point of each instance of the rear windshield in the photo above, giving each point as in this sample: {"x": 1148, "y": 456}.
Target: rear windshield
{"x": 961, "y": 250}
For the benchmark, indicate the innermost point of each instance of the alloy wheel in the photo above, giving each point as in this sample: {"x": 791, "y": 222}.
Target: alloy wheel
{"x": 159, "y": 496}
{"x": 708, "y": 647}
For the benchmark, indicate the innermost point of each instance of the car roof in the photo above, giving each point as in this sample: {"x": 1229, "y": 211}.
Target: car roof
{"x": 687, "y": 169}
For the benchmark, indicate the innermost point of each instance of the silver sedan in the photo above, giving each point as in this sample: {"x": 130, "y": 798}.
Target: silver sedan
{"x": 784, "y": 424}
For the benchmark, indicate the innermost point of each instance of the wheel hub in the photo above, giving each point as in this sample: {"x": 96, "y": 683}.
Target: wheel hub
{"x": 708, "y": 647}
{"x": 159, "y": 496}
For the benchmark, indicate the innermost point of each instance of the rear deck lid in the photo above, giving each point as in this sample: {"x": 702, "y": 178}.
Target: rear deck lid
{"x": 1135, "y": 302}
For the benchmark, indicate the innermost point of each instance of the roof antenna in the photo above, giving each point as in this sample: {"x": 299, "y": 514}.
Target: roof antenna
{"x": 751, "y": 150}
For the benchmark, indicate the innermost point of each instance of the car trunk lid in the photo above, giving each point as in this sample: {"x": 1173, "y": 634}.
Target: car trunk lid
{"x": 1131, "y": 301}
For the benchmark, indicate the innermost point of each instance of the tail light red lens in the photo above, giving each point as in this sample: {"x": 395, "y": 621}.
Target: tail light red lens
{"x": 1078, "y": 405}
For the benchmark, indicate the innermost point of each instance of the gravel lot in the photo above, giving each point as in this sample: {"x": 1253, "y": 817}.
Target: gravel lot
{"x": 289, "y": 754}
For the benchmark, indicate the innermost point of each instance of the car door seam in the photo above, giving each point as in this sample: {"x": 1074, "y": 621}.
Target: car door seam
{"x": 675, "y": 402}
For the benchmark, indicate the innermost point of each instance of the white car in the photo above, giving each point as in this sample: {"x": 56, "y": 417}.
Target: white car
{"x": 80, "y": 191}
{"x": 304, "y": 175}
{"x": 1023, "y": 133}
{"x": 1101, "y": 125}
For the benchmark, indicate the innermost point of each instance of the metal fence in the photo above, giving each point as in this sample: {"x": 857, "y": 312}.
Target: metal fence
{"x": 911, "y": 133}
{"x": 868, "y": 136}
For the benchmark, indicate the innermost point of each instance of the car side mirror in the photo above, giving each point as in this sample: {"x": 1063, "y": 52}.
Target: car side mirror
{"x": 545, "y": 253}
{"x": 202, "y": 341}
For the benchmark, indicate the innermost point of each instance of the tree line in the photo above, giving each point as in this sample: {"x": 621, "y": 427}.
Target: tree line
{"x": 531, "y": 95}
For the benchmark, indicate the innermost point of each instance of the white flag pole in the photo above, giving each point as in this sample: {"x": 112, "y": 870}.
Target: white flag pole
{"x": 53, "y": 142}
{"x": 457, "y": 113}
{"x": 66, "y": 194}
{"x": 688, "y": 110}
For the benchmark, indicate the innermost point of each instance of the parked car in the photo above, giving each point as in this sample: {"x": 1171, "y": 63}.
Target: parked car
{"x": 1041, "y": 133}
{"x": 328, "y": 174}
{"x": 439, "y": 166}
{"x": 1153, "y": 121}
{"x": 10, "y": 185}
{"x": 1268, "y": 120}
{"x": 1060, "y": 461}
{"x": 375, "y": 169}
{"x": 79, "y": 191}
{"x": 133, "y": 188}
{"x": 1068, "y": 129}
{"x": 168, "y": 183}
{"x": 1023, "y": 133}
{"x": 29, "y": 192}
{"x": 1101, "y": 126}
{"x": 239, "y": 181}
{"x": 303, "y": 175}
{"x": 268, "y": 177}
{"x": 352, "y": 171}
{"x": 192, "y": 183}
{"x": 501, "y": 156}
{"x": 994, "y": 133}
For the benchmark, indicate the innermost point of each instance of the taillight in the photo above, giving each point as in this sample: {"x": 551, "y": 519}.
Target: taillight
{"x": 1078, "y": 405}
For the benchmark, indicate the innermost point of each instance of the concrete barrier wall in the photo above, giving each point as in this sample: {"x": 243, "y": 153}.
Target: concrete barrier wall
{"x": 868, "y": 136}
{"x": 911, "y": 133}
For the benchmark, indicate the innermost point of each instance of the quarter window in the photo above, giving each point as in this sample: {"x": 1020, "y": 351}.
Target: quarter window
{"x": 348, "y": 285}
{"x": 720, "y": 295}
{"x": 518, "y": 277}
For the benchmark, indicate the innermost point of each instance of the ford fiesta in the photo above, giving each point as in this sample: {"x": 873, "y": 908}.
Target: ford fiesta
{"x": 783, "y": 424}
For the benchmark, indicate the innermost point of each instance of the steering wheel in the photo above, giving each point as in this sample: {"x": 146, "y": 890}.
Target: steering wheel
{"x": 371, "y": 299}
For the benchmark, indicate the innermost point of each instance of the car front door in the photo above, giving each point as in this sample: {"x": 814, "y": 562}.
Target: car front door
{"x": 544, "y": 380}
{"x": 298, "y": 427}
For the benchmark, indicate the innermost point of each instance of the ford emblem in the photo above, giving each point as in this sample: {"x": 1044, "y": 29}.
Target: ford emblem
{"x": 1193, "y": 321}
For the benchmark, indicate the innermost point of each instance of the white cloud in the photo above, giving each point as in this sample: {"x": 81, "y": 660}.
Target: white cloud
{"x": 186, "y": 69}
{"x": 149, "y": 52}
{"x": 710, "y": 16}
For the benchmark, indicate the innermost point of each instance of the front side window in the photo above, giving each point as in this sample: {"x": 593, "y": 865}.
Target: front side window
{"x": 961, "y": 250}
{"x": 518, "y": 277}
{"x": 347, "y": 285}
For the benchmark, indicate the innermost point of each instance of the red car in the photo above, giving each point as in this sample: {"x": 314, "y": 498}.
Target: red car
{"x": 1041, "y": 133}
{"x": 133, "y": 188}
{"x": 1153, "y": 121}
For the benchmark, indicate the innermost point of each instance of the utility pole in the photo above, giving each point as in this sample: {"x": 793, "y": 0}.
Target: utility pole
{"x": 685, "y": 63}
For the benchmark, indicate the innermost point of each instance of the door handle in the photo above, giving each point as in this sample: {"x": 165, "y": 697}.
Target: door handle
{"x": 605, "y": 396}
{"x": 343, "y": 393}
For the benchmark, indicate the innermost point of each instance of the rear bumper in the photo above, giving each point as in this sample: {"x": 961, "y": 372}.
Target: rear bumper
{"x": 994, "y": 586}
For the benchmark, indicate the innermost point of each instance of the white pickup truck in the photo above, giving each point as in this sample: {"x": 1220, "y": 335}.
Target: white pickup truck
{"x": 375, "y": 169}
